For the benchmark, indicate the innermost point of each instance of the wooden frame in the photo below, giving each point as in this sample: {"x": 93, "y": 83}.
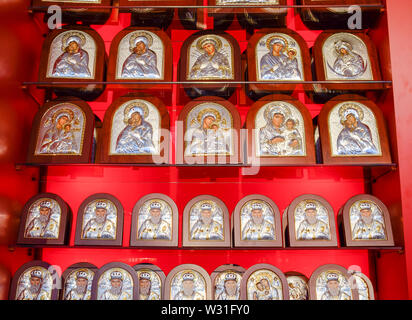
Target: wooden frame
{"x": 325, "y": 18}
{"x": 41, "y": 266}
{"x": 187, "y": 268}
{"x": 367, "y": 283}
{"x": 85, "y": 11}
{"x": 331, "y": 268}
{"x": 277, "y": 227}
{"x": 62, "y": 229}
{"x": 309, "y": 146}
{"x": 226, "y": 268}
{"x": 263, "y": 266}
{"x": 148, "y": 267}
{"x": 100, "y": 240}
{"x": 116, "y": 265}
{"x": 292, "y": 294}
{"x": 173, "y": 242}
{"x": 104, "y": 148}
{"x": 347, "y": 228}
{"x": 305, "y": 199}
{"x": 205, "y": 158}
{"x": 81, "y": 83}
{"x": 305, "y": 67}
{"x": 216, "y": 86}
{"x": 74, "y": 268}
{"x": 329, "y": 158}
{"x": 139, "y": 83}
{"x": 86, "y": 139}
{"x": 348, "y": 84}
{"x": 188, "y": 242}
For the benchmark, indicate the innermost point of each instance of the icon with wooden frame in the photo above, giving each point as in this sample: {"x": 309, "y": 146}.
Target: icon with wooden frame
{"x": 209, "y": 132}
{"x": 62, "y": 132}
{"x": 188, "y": 282}
{"x": 206, "y": 223}
{"x": 330, "y": 282}
{"x": 99, "y": 221}
{"x": 135, "y": 130}
{"x": 264, "y": 282}
{"x": 280, "y": 132}
{"x": 226, "y": 281}
{"x": 35, "y": 280}
{"x": 45, "y": 220}
{"x": 115, "y": 281}
{"x": 309, "y": 221}
{"x": 257, "y": 223}
{"x": 366, "y": 222}
{"x": 151, "y": 281}
{"x": 155, "y": 222}
{"x": 298, "y": 285}
{"x": 77, "y": 281}
{"x": 353, "y": 131}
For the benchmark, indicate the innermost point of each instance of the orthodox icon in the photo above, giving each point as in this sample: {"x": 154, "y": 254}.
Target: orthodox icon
{"x": 115, "y": 284}
{"x": 226, "y": 281}
{"x": 298, "y": 286}
{"x": 151, "y": 280}
{"x": 188, "y": 285}
{"x": 330, "y": 282}
{"x": 78, "y": 281}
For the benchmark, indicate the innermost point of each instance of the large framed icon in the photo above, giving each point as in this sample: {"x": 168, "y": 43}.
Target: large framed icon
{"x": 366, "y": 222}
{"x": 348, "y": 59}
{"x": 277, "y": 60}
{"x": 139, "y": 55}
{"x": 62, "y": 132}
{"x": 309, "y": 221}
{"x": 188, "y": 282}
{"x": 151, "y": 281}
{"x": 264, "y": 282}
{"x": 77, "y": 281}
{"x": 353, "y": 131}
{"x": 330, "y": 282}
{"x": 45, "y": 220}
{"x": 226, "y": 281}
{"x": 99, "y": 221}
{"x": 115, "y": 281}
{"x": 206, "y": 223}
{"x": 209, "y": 133}
{"x": 35, "y": 280}
{"x": 280, "y": 132}
{"x": 72, "y": 58}
{"x": 211, "y": 60}
{"x": 135, "y": 130}
{"x": 256, "y": 222}
{"x": 155, "y": 222}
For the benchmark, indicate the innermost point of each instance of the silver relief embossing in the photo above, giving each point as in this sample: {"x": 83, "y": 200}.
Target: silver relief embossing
{"x": 298, "y": 288}
{"x": 72, "y": 55}
{"x": 36, "y": 283}
{"x": 150, "y": 285}
{"x": 257, "y": 221}
{"x": 155, "y": 220}
{"x": 209, "y": 130}
{"x": 115, "y": 284}
{"x": 43, "y": 220}
{"x": 210, "y": 57}
{"x": 353, "y": 130}
{"x": 99, "y": 220}
{"x": 188, "y": 285}
{"x": 135, "y": 129}
{"x": 227, "y": 285}
{"x": 346, "y": 57}
{"x": 281, "y": 130}
{"x": 264, "y": 285}
{"x": 367, "y": 221}
{"x": 61, "y": 131}
{"x": 332, "y": 285}
{"x": 78, "y": 285}
{"x": 206, "y": 221}
{"x": 140, "y": 55}
{"x": 311, "y": 221}
{"x": 278, "y": 57}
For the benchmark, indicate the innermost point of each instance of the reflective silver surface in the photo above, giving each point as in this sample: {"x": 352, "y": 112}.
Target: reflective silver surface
{"x": 188, "y": 285}
{"x": 40, "y": 226}
{"x": 153, "y": 225}
{"x": 206, "y": 224}
{"x": 264, "y": 285}
{"x": 94, "y": 227}
{"x": 332, "y": 285}
{"x": 115, "y": 284}
{"x": 78, "y": 284}
{"x": 35, "y": 283}
{"x": 257, "y": 221}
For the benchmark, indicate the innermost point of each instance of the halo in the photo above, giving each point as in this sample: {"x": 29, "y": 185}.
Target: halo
{"x": 137, "y": 34}
{"x": 209, "y": 110}
{"x": 66, "y": 111}
{"x": 202, "y": 39}
{"x": 139, "y": 104}
{"x": 350, "y": 105}
{"x": 69, "y": 34}
{"x": 311, "y": 201}
{"x": 278, "y": 37}
{"x": 158, "y": 201}
{"x": 266, "y": 274}
{"x": 339, "y": 43}
{"x": 278, "y": 104}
